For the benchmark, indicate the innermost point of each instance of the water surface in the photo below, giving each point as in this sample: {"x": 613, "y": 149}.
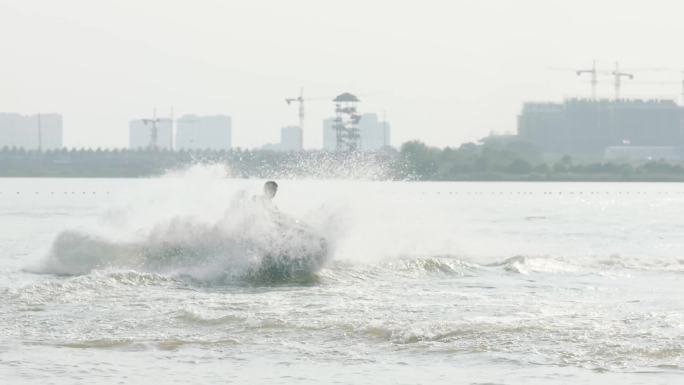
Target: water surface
{"x": 506, "y": 283}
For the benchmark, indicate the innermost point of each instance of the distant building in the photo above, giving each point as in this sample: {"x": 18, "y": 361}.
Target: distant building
{"x": 499, "y": 139}
{"x": 203, "y": 132}
{"x": 374, "y": 134}
{"x": 291, "y": 138}
{"x": 271, "y": 147}
{"x": 638, "y": 153}
{"x": 587, "y": 127}
{"x": 329, "y": 135}
{"x": 140, "y": 134}
{"x": 32, "y": 132}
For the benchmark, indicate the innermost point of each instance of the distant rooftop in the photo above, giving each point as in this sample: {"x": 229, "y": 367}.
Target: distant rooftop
{"x": 630, "y": 102}
{"x": 601, "y": 103}
{"x": 346, "y": 97}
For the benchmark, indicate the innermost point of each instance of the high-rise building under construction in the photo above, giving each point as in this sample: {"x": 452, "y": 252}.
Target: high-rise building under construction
{"x": 588, "y": 127}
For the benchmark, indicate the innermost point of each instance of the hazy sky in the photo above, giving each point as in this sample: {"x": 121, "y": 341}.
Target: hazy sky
{"x": 444, "y": 72}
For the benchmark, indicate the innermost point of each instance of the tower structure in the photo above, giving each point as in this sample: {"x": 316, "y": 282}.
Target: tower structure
{"x": 346, "y": 123}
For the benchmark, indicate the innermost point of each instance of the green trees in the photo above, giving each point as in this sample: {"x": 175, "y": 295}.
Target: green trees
{"x": 491, "y": 160}
{"x": 418, "y": 161}
{"x": 512, "y": 159}
{"x": 508, "y": 159}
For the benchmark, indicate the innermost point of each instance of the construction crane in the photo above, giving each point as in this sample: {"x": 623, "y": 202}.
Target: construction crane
{"x": 667, "y": 83}
{"x": 618, "y": 79}
{"x": 154, "y": 130}
{"x": 681, "y": 101}
{"x": 594, "y": 78}
{"x": 300, "y": 99}
{"x": 594, "y": 74}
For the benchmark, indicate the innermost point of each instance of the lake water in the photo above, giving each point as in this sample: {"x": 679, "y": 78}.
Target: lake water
{"x": 500, "y": 283}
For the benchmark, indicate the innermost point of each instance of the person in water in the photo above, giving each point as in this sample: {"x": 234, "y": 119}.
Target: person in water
{"x": 270, "y": 190}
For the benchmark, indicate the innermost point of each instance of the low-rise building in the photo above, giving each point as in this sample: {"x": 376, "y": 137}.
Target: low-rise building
{"x": 643, "y": 153}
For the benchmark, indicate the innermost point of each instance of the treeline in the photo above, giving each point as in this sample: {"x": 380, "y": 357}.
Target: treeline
{"x": 127, "y": 163}
{"x": 490, "y": 160}
{"x": 518, "y": 160}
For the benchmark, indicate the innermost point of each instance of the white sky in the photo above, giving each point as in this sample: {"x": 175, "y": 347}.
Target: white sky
{"x": 445, "y": 72}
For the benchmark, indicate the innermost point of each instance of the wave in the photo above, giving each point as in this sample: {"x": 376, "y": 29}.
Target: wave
{"x": 202, "y": 256}
{"x": 522, "y": 264}
{"x": 83, "y": 287}
{"x": 612, "y": 264}
{"x": 129, "y": 344}
{"x": 463, "y": 267}
{"x": 194, "y": 318}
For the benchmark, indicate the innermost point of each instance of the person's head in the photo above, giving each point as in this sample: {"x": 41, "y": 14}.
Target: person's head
{"x": 270, "y": 189}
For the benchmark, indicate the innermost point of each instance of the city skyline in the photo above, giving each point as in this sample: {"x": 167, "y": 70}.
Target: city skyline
{"x": 139, "y": 127}
{"x": 444, "y": 72}
{"x": 187, "y": 132}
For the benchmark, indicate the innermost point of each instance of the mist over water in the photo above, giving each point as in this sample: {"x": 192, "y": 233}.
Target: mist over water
{"x": 485, "y": 282}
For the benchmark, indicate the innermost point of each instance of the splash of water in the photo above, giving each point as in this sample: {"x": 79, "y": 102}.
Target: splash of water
{"x": 197, "y": 223}
{"x": 248, "y": 241}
